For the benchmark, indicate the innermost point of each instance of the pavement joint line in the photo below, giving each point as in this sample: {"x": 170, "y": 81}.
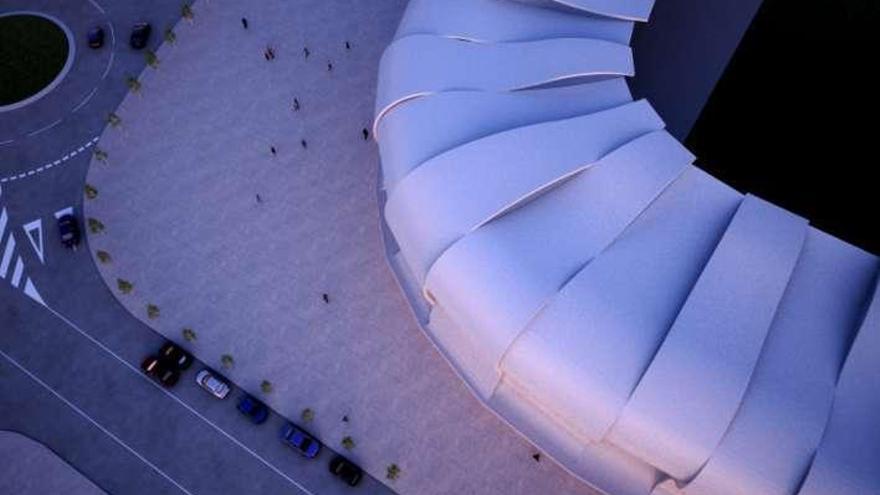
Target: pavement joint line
{"x": 175, "y": 398}
{"x": 91, "y": 420}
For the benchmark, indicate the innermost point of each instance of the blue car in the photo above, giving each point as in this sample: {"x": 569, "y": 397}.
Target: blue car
{"x": 300, "y": 440}
{"x": 255, "y": 410}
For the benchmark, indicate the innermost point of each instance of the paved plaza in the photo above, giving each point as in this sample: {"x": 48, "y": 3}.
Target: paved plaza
{"x": 238, "y": 189}
{"x": 29, "y": 468}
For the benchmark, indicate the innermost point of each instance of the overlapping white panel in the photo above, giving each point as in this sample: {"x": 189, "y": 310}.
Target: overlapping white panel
{"x": 848, "y": 459}
{"x": 636, "y": 10}
{"x": 695, "y": 384}
{"x": 771, "y": 442}
{"x": 502, "y": 20}
{"x": 493, "y": 281}
{"x": 457, "y": 191}
{"x": 584, "y": 353}
{"x": 459, "y": 117}
{"x": 419, "y": 65}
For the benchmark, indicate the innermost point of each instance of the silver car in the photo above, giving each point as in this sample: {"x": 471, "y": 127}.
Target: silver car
{"x": 213, "y": 383}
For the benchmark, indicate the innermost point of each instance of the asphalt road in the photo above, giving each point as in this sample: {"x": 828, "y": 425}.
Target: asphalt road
{"x": 69, "y": 372}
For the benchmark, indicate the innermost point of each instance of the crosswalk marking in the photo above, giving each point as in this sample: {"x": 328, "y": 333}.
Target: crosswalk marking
{"x": 17, "y": 272}
{"x": 7, "y": 255}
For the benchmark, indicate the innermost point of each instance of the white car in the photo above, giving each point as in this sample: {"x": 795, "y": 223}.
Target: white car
{"x": 215, "y": 384}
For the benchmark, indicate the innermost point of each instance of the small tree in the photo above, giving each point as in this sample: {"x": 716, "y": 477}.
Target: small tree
{"x": 95, "y": 225}
{"x": 188, "y": 334}
{"x": 114, "y": 120}
{"x": 392, "y": 472}
{"x": 307, "y": 415}
{"x": 187, "y": 12}
{"x": 227, "y": 361}
{"x": 347, "y": 442}
{"x": 90, "y": 191}
{"x": 170, "y": 37}
{"x": 103, "y": 256}
{"x": 266, "y": 386}
{"x": 152, "y": 311}
{"x": 133, "y": 84}
{"x": 152, "y": 59}
{"x": 124, "y": 285}
{"x": 100, "y": 154}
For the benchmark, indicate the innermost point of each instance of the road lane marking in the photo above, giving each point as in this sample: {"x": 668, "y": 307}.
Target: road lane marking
{"x": 34, "y": 232}
{"x": 63, "y": 211}
{"x": 44, "y": 167}
{"x": 7, "y": 255}
{"x": 43, "y": 129}
{"x": 173, "y": 397}
{"x": 86, "y": 99}
{"x": 88, "y": 418}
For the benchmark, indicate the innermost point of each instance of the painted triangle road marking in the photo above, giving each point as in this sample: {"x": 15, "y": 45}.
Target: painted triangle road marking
{"x": 34, "y": 231}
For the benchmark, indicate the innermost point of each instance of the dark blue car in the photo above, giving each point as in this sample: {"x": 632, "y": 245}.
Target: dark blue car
{"x": 255, "y": 410}
{"x": 300, "y": 440}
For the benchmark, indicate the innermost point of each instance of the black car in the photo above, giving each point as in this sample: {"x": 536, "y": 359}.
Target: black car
{"x": 140, "y": 35}
{"x": 255, "y": 410}
{"x": 96, "y": 37}
{"x": 174, "y": 355}
{"x": 68, "y": 227}
{"x": 346, "y": 470}
{"x": 159, "y": 370}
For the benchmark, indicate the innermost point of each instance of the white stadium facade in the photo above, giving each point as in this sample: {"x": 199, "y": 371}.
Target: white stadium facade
{"x": 647, "y": 326}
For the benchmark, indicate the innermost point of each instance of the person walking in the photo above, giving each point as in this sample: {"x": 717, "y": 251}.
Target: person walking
{"x": 244, "y": 23}
{"x": 296, "y": 105}
{"x": 304, "y": 144}
{"x": 366, "y": 133}
{"x": 329, "y": 66}
{"x": 347, "y": 45}
{"x": 306, "y": 51}
{"x": 272, "y": 149}
{"x": 259, "y": 199}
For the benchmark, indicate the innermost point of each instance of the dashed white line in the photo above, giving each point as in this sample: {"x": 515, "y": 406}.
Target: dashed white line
{"x": 85, "y": 100}
{"x": 47, "y": 166}
{"x": 88, "y": 418}
{"x": 179, "y": 401}
{"x": 43, "y": 129}
{"x": 97, "y": 6}
{"x": 6, "y": 142}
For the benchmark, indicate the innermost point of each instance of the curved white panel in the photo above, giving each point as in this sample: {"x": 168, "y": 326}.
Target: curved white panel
{"x": 459, "y": 117}
{"x": 501, "y": 20}
{"x": 446, "y": 64}
{"x": 848, "y": 459}
{"x": 457, "y": 191}
{"x": 635, "y": 10}
{"x": 584, "y": 353}
{"x": 690, "y": 393}
{"x": 771, "y": 442}
{"x": 493, "y": 281}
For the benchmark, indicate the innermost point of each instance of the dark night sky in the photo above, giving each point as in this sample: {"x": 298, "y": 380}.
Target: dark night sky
{"x": 795, "y": 117}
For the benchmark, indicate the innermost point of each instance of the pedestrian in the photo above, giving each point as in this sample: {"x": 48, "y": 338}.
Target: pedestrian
{"x": 347, "y": 45}
{"x": 304, "y": 144}
{"x": 366, "y": 133}
{"x": 244, "y": 23}
{"x": 329, "y": 66}
{"x": 536, "y": 456}
{"x": 296, "y": 104}
{"x": 272, "y": 149}
{"x": 270, "y": 52}
{"x": 259, "y": 199}
{"x": 306, "y": 51}
{"x": 326, "y": 298}
{"x": 266, "y": 55}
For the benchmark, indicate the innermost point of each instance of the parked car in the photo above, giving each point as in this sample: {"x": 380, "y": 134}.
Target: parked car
{"x": 96, "y": 37}
{"x": 346, "y": 470}
{"x": 174, "y": 354}
{"x": 140, "y": 35}
{"x": 215, "y": 384}
{"x": 68, "y": 227}
{"x": 300, "y": 440}
{"x": 160, "y": 371}
{"x": 255, "y": 410}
